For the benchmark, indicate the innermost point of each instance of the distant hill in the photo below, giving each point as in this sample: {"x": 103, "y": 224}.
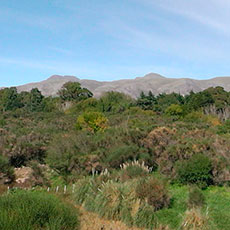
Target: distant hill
{"x": 154, "y": 82}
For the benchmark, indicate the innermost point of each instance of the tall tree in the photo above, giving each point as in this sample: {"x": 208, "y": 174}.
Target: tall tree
{"x": 9, "y": 99}
{"x": 72, "y": 91}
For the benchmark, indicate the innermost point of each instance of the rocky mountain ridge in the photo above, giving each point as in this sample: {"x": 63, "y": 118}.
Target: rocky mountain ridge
{"x": 154, "y": 82}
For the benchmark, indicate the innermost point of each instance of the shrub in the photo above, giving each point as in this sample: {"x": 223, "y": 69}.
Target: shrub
{"x": 63, "y": 155}
{"x": 154, "y": 192}
{"x": 35, "y": 210}
{"x": 133, "y": 170}
{"x": 174, "y": 110}
{"x": 196, "y": 170}
{"x": 92, "y": 121}
{"x": 121, "y": 155}
{"x": 196, "y": 199}
{"x": 5, "y": 168}
{"x": 115, "y": 102}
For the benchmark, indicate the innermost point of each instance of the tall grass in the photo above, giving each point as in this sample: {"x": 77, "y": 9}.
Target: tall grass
{"x": 118, "y": 200}
{"x": 36, "y": 210}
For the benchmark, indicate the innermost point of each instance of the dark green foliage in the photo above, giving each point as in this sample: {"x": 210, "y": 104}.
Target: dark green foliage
{"x": 196, "y": 170}
{"x": 6, "y": 168}
{"x": 220, "y": 96}
{"x": 114, "y": 102}
{"x": 165, "y": 100}
{"x": 63, "y": 155}
{"x": 32, "y": 101}
{"x": 33, "y": 210}
{"x": 26, "y": 148}
{"x": 72, "y": 91}
{"x": 146, "y": 102}
{"x": 198, "y": 100}
{"x": 121, "y": 155}
{"x": 196, "y": 199}
{"x": 9, "y": 99}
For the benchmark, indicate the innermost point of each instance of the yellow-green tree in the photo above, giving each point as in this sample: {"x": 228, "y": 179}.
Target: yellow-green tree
{"x": 92, "y": 121}
{"x": 174, "y": 110}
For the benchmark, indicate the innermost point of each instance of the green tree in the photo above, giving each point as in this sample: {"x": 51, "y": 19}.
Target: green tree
{"x": 165, "y": 100}
{"x": 146, "y": 102}
{"x": 35, "y": 100}
{"x": 195, "y": 101}
{"x": 9, "y": 99}
{"x": 92, "y": 121}
{"x": 32, "y": 101}
{"x": 72, "y": 91}
{"x": 115, "y": 102}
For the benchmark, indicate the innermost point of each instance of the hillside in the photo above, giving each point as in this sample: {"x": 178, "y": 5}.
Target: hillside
{"x": 154, "y": 82}
{"x": 156, "y": 162}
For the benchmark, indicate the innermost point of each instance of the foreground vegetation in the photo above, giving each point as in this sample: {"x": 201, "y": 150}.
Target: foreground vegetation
{"x": 151, "y": 203}
{"x": 34, "y": 210}
{"x": 157, "y": 162}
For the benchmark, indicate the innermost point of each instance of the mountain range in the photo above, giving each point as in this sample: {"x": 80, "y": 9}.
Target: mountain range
{"x": 133, "y": 87}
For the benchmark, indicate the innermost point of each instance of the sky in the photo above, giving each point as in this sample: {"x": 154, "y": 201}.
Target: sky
{"x": 111, "y": 40}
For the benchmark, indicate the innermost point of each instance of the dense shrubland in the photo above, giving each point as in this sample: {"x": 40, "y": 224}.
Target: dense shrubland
{"x": 136, "y": 161}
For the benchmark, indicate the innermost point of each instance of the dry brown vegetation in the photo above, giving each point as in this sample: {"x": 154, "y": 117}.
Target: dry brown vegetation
{"x": 91, "y": 221}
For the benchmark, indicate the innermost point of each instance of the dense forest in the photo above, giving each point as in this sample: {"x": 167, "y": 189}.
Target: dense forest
{"x": 155, "y": 162}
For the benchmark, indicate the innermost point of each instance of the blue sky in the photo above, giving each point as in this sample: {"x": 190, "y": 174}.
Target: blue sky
{"x": 110, "y": 40}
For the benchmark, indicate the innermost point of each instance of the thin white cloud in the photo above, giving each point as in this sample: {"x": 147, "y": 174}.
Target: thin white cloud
{"x": 170, "y": 41}
{"x": 210, "y": 13}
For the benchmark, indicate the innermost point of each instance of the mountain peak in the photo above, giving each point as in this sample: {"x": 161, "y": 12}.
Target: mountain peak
{"x": 153, "y": 76}
{"x": 59, "y": 77}
{"x": 133, "y": 87}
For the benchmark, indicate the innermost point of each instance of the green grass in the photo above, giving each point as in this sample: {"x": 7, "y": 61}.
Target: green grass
{"x": 218, "y": 202}
{"x": 173, "y": 215}
{"x": 117, "y": 200}
{"x": 36, "y": 210}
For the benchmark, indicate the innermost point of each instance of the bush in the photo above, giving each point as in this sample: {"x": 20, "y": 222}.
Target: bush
{"x": 121, "y": 155}
{"x": 174, "y": 110}
{"x": 63, "y": 155}
{"x": 34, "y": 210}
{"x": 115, "y": 102}
{"x": 196, "y": 170}
{"x": 196, "y": 199}
{"x": 5, "y": 168}
{"x": 92, "y": 121}
{"x": 133, "y": 170}
{"x": 154, "y": 192}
